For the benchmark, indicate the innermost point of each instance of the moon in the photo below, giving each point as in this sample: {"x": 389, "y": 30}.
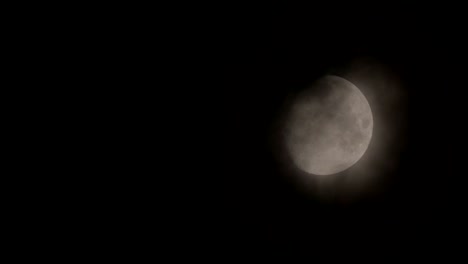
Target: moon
{"x": 329, "y": 126}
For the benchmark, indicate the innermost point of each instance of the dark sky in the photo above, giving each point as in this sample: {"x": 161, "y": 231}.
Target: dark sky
{"x": 227, "y": 194}
{"x": 271, "y": 52}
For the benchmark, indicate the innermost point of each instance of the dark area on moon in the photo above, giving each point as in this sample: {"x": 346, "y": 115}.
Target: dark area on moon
{"x": 272, "y": 54}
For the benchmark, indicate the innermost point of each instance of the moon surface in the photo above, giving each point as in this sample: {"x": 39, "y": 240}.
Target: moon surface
{"x": 329, "y": 126}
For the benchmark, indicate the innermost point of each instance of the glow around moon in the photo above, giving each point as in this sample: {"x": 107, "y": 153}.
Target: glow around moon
{"x": 329, "y": 127}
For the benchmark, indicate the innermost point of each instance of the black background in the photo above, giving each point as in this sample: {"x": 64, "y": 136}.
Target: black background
{"x": 267, "y": 53}
{"x": 223, "y": 192}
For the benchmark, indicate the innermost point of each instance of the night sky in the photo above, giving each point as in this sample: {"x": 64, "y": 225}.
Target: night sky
{"x": 268, "y": 53}
{"x": 168, "y": 114}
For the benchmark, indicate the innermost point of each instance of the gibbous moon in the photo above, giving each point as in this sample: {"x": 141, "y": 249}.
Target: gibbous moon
{"x": 329, "y": 127}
